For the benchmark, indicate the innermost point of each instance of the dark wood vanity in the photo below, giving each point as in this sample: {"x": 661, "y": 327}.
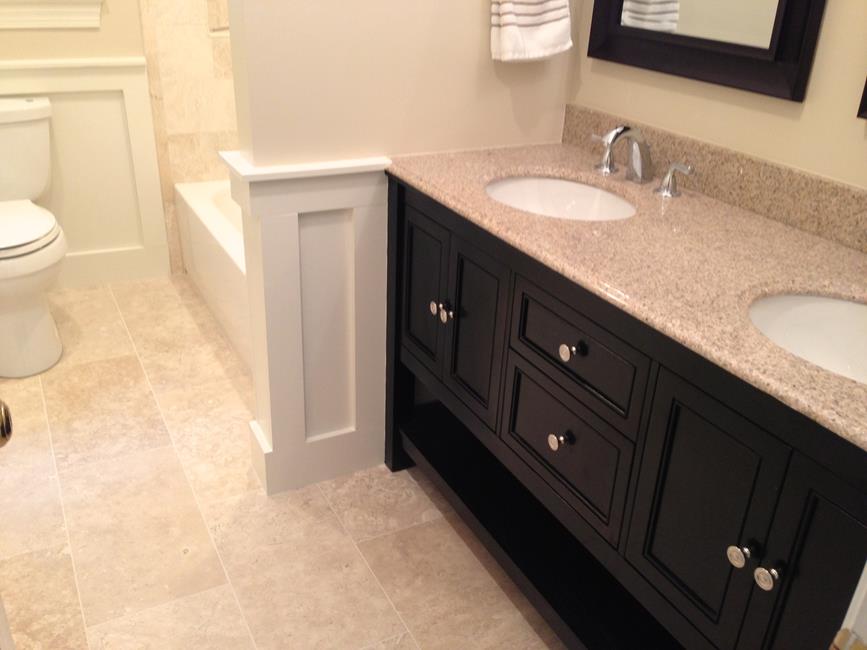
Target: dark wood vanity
{"x": 616, "y": 475}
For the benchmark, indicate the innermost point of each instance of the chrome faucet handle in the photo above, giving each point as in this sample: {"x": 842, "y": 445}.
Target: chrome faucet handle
{"x": 607, "y": 166}
{"x": 668, "y": 187}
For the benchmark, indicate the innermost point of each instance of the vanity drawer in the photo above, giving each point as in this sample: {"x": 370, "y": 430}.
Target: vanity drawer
{"x": 608, "y": 375}
{"x": 582, "y": 458}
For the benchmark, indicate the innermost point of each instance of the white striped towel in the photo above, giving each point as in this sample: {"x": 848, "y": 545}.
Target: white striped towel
{"x": 656, "y": 15}
{"x": 525, "y": 30}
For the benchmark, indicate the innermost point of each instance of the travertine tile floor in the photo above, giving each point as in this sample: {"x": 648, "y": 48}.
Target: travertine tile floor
{"x": 130, "y": 516}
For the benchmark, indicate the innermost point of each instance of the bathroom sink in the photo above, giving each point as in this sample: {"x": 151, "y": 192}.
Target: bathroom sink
{"x": 555, "y": 197}
{"x": 829, "y": 332}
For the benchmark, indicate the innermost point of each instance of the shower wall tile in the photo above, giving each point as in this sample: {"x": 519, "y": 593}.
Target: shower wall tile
{"x": 192, "y": 96}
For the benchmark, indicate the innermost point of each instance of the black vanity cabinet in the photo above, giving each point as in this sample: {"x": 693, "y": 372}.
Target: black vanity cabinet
{"x": 639, "y": 495}
{"x": 709, "y": 479}
{"x": 455, "y": 301}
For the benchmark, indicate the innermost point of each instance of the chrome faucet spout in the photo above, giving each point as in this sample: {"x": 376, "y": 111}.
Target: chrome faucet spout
{"x": 640, "y": 164}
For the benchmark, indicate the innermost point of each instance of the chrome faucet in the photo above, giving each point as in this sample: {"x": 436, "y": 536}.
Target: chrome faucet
{"x": 639, "y": 168}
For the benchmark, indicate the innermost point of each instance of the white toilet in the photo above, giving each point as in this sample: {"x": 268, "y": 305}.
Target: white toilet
{"x": 32, "y": 245}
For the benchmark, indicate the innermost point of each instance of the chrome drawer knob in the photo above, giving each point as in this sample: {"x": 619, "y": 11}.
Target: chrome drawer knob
{"x": 738, "y": 556}
{"x": 446, "y": 314}
{"x": 557, "y": 442}
{"x": 5, "y": 424}
{"x": 766, "y": 579}
{"x": 567, "y": 352}
{"x": 434, "y": 309}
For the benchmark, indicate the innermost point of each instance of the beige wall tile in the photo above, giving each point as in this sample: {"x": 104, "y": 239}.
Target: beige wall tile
{"x": 198, "y": 105}
{"x": 447, "y": 596}
{"x": 101, "y": 410}
{"x": 376, "y": 501}
{"x": 136, "y": 534}
{"x": 90, "y": 326}
{"x": 209, "y": 620}
{"x": 218, "y": 14}
{"x": 298, "y": 575}
{"x": 221, "y": 51}
{"x": 38, "y": 591}
{"x": 194, "y": 156}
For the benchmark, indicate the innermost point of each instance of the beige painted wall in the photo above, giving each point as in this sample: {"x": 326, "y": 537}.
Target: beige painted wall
{"x": 821, "y": 135}
{"x": 330, "y": 79}
{"x": 748, "y": 22}
{"x": 119, "y": 35}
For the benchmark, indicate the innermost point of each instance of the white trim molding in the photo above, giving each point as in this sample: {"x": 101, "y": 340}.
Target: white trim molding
{"x": 315, "y": 247}
{"x": 126, "y": 76}
{"x": 50, "y": 14}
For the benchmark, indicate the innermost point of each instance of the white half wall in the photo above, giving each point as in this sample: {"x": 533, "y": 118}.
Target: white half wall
{"x": 315, "y": 248}
{"x": 104, "y": 188}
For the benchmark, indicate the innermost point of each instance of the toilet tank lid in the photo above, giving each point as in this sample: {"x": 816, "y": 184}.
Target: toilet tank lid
{"x": 23, "y": 222}
{"x": 23, "y": 109}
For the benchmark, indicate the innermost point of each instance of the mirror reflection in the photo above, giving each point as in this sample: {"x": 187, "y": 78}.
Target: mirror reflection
{"x": 743, "y": 22}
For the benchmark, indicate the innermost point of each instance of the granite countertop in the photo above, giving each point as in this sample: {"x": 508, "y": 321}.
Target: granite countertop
{"x": 688, "y": 267}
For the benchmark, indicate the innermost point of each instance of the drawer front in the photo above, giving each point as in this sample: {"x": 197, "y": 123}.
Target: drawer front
{"x": 608, "y": 375}
{"x": 588, "y": 462}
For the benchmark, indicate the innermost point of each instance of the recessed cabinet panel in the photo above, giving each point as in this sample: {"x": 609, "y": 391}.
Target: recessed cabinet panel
{"x": 818, "y": 544}
{"x": 478, "y": 289}
{"x": 587, "y": 463}
{"x": 709, "y": 479}
{"x": 425, "y": 259}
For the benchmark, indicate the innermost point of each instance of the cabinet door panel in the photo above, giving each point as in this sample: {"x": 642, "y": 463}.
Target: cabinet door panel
{"x": 818, "y": 542}
{"x": 425, "y": 276}
{"x": 479, "y": 288}
{"x": 709, "y": 479}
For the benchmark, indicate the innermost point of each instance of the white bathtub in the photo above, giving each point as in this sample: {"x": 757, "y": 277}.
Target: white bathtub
{"x": 213, "y": 245}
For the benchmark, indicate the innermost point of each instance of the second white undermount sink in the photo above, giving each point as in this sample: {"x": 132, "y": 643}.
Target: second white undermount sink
{"x": 562, "y": 199}
{"x": 829, "y": 332}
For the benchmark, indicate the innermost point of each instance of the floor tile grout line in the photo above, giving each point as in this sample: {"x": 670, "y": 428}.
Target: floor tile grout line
{"x": 63, "y": 511}
{"x": 369, "y": 568}
{"x": 402, "y": 529}
{"x": 186, "y": 475}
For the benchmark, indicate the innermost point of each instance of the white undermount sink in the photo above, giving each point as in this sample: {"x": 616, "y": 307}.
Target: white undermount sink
{"x": 562, "y": 199}
{"x": 829, "y": 332}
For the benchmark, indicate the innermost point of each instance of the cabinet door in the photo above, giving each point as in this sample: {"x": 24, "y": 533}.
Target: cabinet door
{"x": 426, "y": 249}
{"x": 479, "y": 287}
{"x": 709, "y": 479}
{"x": 818, "y": 545}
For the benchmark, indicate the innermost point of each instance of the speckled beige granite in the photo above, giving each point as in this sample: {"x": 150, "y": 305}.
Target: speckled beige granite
{"x": 688, "y": 267}
{"x": 812, "y": 203}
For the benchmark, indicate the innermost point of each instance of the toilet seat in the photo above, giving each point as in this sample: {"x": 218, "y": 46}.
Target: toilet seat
{"x": 25, "y": 228}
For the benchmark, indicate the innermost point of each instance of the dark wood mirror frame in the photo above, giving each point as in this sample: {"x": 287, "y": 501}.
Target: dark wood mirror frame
{"x": 782, "y": 70}
{"x": 862, "y": 110}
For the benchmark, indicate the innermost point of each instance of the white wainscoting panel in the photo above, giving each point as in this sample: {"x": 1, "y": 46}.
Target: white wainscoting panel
{"x": 315, "y": 244}
{"x": 50, "y": 14}
{"x": 105, "y": 188}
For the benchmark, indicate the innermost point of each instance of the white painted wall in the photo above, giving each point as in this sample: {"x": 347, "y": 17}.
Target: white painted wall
{"x": 331, "y": 79}
{"x": 105, "y": 181}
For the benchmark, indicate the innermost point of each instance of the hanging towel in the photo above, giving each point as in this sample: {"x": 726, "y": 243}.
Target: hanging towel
{"x": 656, "y": 15}
{"x": 524, "y": 30}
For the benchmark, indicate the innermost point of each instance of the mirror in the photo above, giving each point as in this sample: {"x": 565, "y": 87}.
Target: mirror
{"x": 742, "y": 22}
{"x": 764, "y": 46}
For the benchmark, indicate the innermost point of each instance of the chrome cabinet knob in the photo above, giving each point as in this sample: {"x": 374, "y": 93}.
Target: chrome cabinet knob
{"x": 446, "y": 314}
{"x": 5, "y": 423}
{"x": 557, "y": 442}
{"x": 434, "y": 308}
{"x": 766, "y": 579}
{"x": 738, "y": 556}
{"x": 566, "y": 351}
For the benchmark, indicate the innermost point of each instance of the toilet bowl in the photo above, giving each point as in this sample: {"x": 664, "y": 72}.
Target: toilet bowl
{"x": 32, "y": 244}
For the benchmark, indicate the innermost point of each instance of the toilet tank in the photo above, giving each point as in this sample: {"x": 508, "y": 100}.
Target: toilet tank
{"x": 25, "y": 155}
